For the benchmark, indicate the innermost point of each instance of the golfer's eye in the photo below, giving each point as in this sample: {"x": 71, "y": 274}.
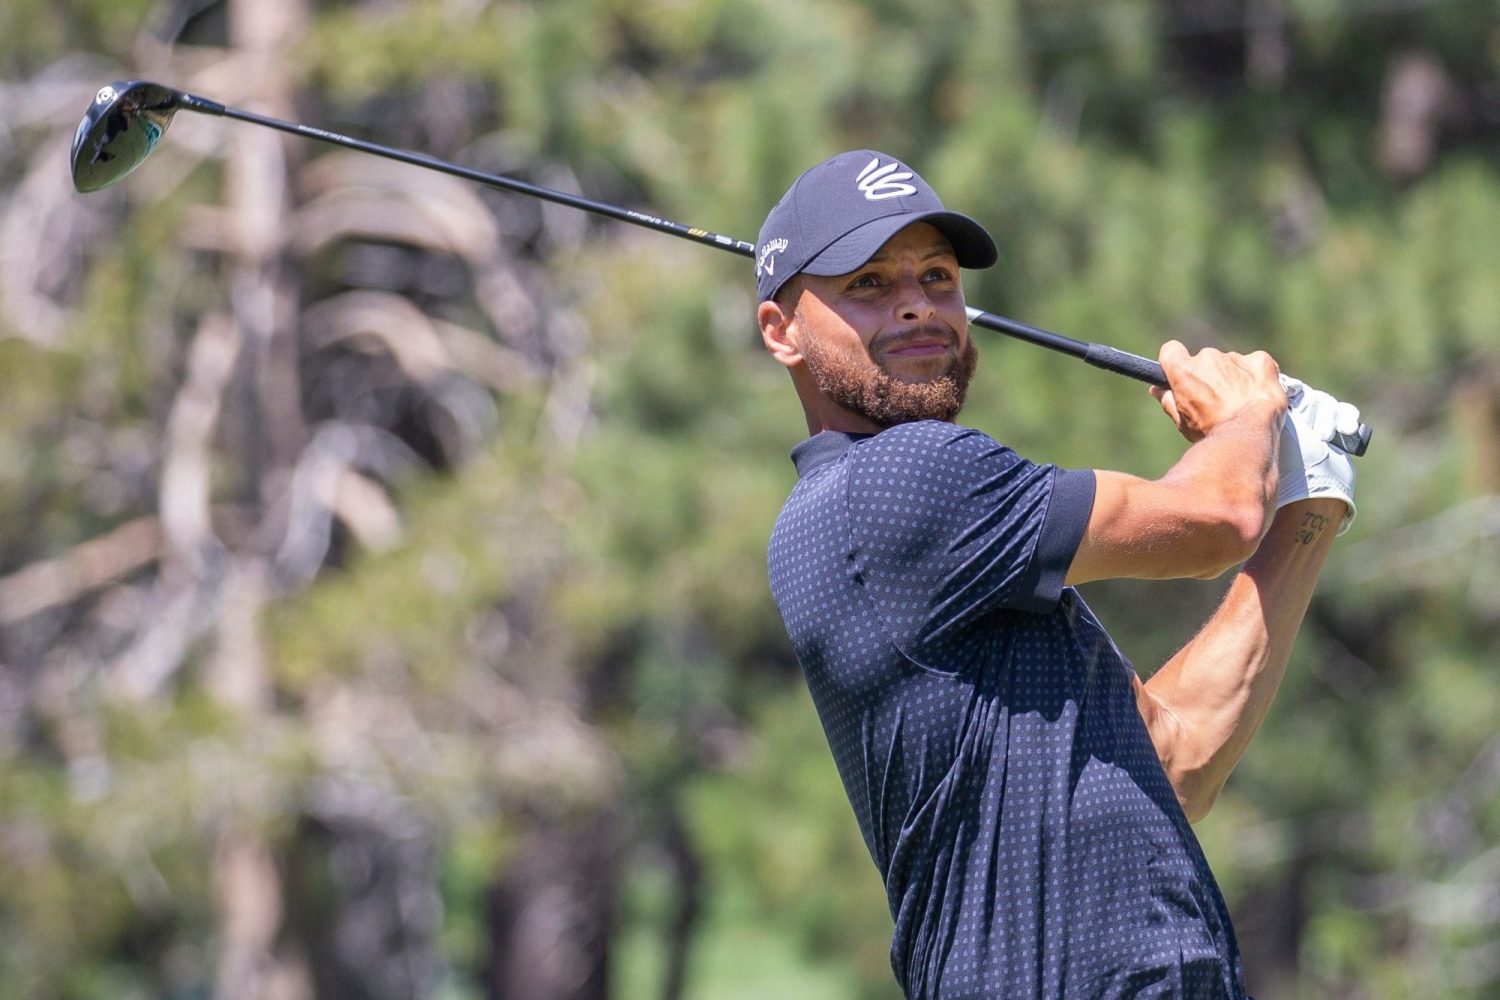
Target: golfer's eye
{"x": 866, "y": 280}
{"x": 938, "y": 274}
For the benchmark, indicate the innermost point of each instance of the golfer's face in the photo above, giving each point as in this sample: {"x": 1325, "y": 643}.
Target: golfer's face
{"x": 903, "y": 310}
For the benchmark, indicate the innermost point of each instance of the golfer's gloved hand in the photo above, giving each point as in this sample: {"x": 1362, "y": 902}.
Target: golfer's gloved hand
{"x": 1310, "y": 466}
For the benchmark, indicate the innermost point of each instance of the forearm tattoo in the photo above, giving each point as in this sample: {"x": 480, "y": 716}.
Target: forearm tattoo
{"x": 1311, "y": 528}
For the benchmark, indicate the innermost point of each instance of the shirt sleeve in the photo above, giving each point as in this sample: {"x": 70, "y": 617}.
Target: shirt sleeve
{"x": 1067, "y": 515}
{"x": 948, "y": 525}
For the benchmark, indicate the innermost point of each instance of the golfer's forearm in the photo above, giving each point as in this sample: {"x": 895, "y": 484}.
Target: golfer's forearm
{"x": 1205, "y": 515}
{"x": 1234, "y": 468}
{"x": 1205, "y": 704}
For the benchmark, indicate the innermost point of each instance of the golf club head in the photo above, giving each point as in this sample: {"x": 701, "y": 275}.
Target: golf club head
{"x": 119, "y": 130}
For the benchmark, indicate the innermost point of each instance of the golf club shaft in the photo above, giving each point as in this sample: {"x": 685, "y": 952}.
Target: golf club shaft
{"x": 1132, "y": 365}
{"x": 740, "y": 247}
{"x": 1099, "y": 355}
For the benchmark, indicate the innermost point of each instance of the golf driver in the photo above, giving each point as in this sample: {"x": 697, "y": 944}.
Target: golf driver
{"x": 127, "y": 119}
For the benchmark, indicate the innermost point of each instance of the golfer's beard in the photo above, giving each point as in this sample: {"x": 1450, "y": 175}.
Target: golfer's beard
{"x": 859, "y": 384}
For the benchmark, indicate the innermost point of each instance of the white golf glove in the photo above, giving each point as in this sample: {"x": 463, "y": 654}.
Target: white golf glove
{"x": 1309, "y": 465}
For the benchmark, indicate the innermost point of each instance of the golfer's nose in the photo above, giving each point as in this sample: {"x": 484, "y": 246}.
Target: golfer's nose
{"x": 912, "y": 303}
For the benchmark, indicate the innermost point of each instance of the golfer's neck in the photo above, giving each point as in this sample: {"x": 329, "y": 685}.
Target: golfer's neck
{"x": 823, "y": 414}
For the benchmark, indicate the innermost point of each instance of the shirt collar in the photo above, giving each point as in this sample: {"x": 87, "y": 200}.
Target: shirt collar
{"x": 820, "y": 449}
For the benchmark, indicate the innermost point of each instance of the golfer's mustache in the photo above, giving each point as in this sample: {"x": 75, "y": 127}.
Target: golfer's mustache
{"x": 905, "y": 338}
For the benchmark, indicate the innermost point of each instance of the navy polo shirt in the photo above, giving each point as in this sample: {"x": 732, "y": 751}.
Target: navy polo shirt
{"x": 985, "y": 726}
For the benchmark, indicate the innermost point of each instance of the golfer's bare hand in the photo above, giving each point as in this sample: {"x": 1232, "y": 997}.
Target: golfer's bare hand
{"x": 1211, "y": 387}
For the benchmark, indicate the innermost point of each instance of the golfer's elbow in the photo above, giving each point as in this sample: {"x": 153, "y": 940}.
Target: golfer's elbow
{"x": 1196, "y": 796}
{"x": 1196, "y": 783}
{"x": 1185, "y": 761}
{"x": 1195, "y": 772}
{"x": 1248, "y": 523}
{"x": 1234, "y": 530}
{"x": 1229, "y": 539}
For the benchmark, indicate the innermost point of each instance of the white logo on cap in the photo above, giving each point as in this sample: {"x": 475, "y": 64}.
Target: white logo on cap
{"x": 879, "y": 182}
{"x": 766, "y": 262}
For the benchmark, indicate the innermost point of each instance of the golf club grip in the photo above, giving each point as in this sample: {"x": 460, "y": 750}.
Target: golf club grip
{"x": 1354, "y": 444}
{"x": 1148, "y": 371}
{"x": 1125, "y": 363}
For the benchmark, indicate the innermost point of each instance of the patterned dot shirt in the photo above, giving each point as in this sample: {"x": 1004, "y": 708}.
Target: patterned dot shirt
{"x": 985, "y": 726}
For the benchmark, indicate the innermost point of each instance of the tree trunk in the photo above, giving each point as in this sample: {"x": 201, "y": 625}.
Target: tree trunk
{"x": 551, "y": 914}
{"x": 250, "y": 891}
{"x": 688, "y": 868}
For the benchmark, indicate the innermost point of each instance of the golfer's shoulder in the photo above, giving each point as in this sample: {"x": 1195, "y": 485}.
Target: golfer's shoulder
{"x": 923, "y": 447}
{"x": 934, "y": 462}
{"x": 933, "y": 486}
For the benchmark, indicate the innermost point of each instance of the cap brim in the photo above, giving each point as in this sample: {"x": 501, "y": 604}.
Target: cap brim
{"x": 971, "y": 244}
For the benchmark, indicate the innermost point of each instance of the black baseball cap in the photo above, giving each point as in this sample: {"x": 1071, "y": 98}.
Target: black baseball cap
{"x": 841, "y": 212}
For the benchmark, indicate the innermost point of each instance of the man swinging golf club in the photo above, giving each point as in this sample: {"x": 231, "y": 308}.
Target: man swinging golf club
{"x": 1025, "y": 796}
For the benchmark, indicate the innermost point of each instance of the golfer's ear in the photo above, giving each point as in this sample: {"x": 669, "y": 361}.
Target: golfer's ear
{"x": 775, "y": 330}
